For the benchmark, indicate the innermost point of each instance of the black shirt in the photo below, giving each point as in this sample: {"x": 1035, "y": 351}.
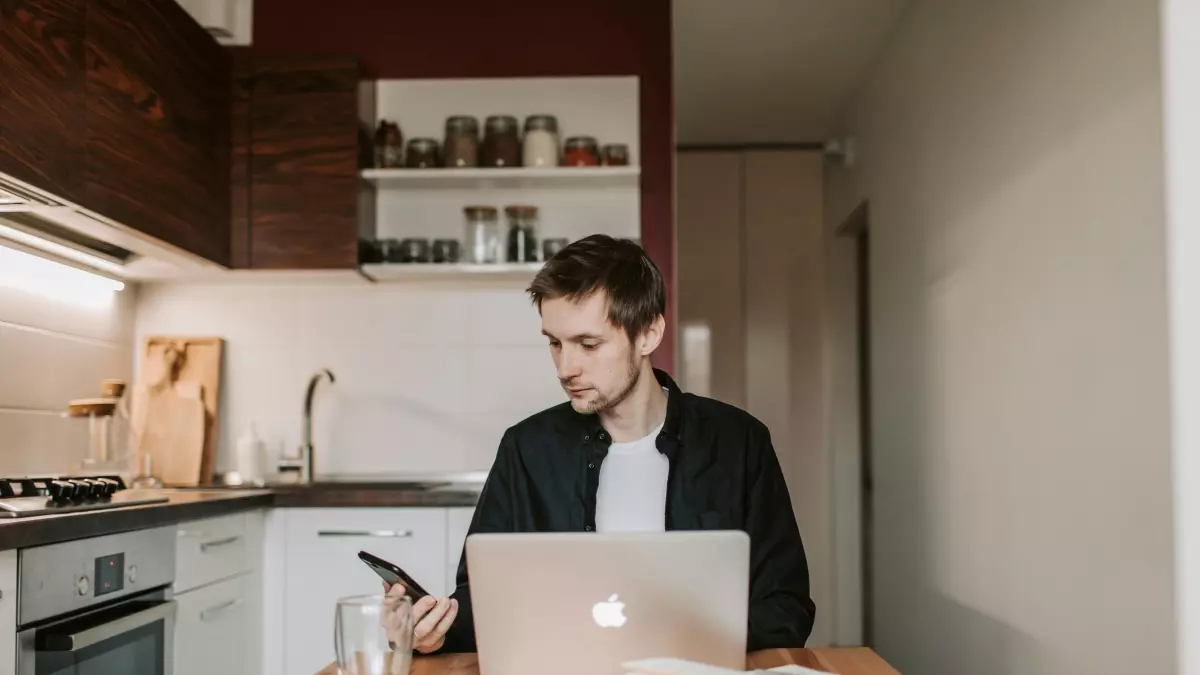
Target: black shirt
{"x": 723, "y": 475}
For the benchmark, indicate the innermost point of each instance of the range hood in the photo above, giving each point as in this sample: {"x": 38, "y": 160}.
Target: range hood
{"x": 39, "y": 222}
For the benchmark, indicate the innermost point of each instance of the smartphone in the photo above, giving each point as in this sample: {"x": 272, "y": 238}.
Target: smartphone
{"x": 393, "y": 574}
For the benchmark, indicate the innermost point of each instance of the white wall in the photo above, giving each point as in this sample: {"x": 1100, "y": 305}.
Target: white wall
{"x": 428, "y": 377}
{"x": 1181, "y": 54}
{"x": 1012, "y": 156}
{"x": 53, "y": 351}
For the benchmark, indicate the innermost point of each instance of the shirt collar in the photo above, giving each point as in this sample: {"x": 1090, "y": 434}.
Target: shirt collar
{"x": 671, "y": 436}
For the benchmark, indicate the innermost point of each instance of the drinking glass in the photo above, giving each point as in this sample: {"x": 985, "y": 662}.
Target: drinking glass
{"x": 373, "y": 635}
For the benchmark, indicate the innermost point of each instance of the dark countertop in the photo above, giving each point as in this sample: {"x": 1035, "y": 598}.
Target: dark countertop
{"x": 193, "y": 503}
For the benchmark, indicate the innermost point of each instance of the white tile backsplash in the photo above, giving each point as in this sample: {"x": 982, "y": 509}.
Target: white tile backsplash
{"x": 50, "y": 353}
{"x": 428, "y": 376}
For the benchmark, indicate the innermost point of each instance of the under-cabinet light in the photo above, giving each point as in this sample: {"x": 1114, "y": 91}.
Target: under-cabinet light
{"x": 56, "y": 281}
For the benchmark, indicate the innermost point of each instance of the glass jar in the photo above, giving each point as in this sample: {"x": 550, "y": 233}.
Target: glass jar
{"x": 462, "y": 141}
{"x": 423, "y": 153}
{"x": 616, "y": 154}
{"x": 389, "y": 145}
{"x": 541, "y": 141}
{"x": 522, "y": 233}
{"x": 581, "y": 151}
{"x": 501, "y": 147}
{"x": 482, "y": 234}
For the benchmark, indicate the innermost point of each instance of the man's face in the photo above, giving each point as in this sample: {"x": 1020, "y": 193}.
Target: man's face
{"x": 598, "y": 365}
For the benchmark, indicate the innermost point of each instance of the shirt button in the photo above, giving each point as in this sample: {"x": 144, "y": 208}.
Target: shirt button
{"x": 591, "y": 466}
{"x": 588, "y": 528}
{"x": 587, "y": 438}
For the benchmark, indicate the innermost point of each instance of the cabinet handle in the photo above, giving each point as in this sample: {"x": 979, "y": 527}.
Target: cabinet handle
{"x": 209, "y": 613}
{"x": 387, "y": 534}
{"x": 220, "y": 542}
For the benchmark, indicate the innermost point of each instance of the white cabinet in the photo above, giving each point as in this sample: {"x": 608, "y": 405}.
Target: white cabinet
{"x": 212, "y": 629}
{"x": 322, "y": 565}
{"x": 458, "y": 521}
{"x": 218, "y": 589}
{"x": 8, "y": 612}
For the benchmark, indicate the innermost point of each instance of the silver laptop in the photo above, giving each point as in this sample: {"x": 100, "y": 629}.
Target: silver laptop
{"x": 577, "y": 603}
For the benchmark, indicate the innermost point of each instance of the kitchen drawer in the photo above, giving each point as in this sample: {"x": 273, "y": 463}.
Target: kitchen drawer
{"x": 322, "y": 565}
{"x": 211, "y": 550}
{"x": 213, "y": 629}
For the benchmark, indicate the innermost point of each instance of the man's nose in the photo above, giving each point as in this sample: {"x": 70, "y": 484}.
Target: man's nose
{"x": 568, "y": 365}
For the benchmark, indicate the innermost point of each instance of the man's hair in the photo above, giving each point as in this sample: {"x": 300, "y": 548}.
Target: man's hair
{"x": 620, "y": 268}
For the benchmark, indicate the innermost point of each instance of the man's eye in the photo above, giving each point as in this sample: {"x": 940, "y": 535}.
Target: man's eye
{"x": 554, "y": 344}
{"x": 590, "y": 347}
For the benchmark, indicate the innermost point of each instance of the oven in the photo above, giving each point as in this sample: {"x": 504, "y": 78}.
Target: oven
{"x": 99, "y": 606}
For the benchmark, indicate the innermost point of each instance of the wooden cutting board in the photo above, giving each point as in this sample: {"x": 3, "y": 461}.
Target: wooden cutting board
{"x": 173, "y": 432}
{"x": 177, "y": 373}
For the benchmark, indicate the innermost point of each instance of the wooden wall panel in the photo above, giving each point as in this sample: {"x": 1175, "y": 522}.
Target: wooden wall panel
{"x": 157, "y": 139}
{"x": 305, "y": 153}
{"x": 41, "y": 93}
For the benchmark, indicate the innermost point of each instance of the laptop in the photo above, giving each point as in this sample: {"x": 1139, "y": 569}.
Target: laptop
{"x": 578, "y": 603}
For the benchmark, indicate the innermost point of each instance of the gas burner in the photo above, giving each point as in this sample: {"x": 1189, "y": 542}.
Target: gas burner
{"x": 30, "y": 496}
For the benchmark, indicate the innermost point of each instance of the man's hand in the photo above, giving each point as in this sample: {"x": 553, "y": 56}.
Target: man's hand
{"x": 431, "y": 618}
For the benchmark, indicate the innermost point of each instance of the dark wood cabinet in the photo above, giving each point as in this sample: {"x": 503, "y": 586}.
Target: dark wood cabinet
{"x": 305, "y": 205}
{"x": 157, "y": 140}
{"x": 41, "y": 93}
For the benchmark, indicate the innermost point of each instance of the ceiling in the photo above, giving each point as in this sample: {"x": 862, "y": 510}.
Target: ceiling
{"x": 764, "y": 71}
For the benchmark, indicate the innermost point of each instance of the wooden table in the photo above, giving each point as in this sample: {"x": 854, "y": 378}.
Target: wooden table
{"x": 841, "y": 660}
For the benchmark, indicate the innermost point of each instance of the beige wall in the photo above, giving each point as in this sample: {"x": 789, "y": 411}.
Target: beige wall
{"x": 1012, "y": 156}
{"x": 751, "y": 267}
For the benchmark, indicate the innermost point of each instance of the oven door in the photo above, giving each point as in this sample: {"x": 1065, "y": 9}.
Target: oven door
{"x": 133, "y": 637}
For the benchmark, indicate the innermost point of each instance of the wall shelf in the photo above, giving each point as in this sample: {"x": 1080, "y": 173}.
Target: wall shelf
{"x": 518, "y": 177}
{"x": 388, "y": 272}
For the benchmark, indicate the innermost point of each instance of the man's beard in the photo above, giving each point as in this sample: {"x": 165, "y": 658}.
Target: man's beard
{"x": 602, "y": 402}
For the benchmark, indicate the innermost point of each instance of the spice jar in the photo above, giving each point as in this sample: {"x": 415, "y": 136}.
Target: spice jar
{"x": 581, "y": 151}
{"x": 482, "y": 234}
{"x": 462, "y": 141}
{"x": 423, "y": 153}
{"x": 389, "y": 145}
{"x": 541, "y": 141}
{"x": 616, "y": 154}
{"x": 522, "y": 233}
{"x": 501, "y": 147}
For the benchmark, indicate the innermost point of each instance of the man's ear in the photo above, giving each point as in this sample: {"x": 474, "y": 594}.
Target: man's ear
{"x": 652, "y": 336}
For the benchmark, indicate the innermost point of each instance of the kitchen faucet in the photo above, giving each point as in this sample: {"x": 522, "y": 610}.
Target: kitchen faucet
{"x": 304, "y": 463}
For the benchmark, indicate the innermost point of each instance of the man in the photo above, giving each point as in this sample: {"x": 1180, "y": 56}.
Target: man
{"x": 630, "y": 451}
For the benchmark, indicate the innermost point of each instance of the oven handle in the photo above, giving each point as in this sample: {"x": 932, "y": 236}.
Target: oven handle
{"x": 72, "y": 642}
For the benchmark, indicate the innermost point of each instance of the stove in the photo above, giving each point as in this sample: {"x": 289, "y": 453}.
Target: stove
{"x": 23, "y": 497}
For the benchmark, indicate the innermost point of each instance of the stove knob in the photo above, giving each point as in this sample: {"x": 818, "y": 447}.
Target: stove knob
{"x": 83, "y": 488}
{"x": 110, "y": 486}
{"x": 83, "y": 585}
{"x": 132, "y": 574}
{"x": 61, "y": 491}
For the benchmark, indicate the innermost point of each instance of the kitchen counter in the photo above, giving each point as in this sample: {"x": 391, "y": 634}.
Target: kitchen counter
{"x": 181, "y": 505}
{"x": 842, "y": 660}
{"x": 195, "y": 503}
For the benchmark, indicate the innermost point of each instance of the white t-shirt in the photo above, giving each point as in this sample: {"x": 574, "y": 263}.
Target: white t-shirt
{"x": 632, "y": 495}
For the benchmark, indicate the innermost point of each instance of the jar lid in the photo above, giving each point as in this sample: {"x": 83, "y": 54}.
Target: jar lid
{"x": 483, "y": 212}
{"x": 581, "y": 141}
{"x": 467, "y": 123}
{"x": 501, "y": 122}
{"x": 616, "y": 147}
{"x": 541, "y": 122}
{"x": 423, "y": 143}
{"x": 521, "y": 211}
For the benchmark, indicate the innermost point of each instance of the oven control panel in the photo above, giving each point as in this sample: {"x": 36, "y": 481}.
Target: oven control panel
{"x": 110, "y": 574}
{"x": 66, "y": 577}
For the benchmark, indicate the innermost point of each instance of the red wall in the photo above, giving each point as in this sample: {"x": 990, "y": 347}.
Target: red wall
{"x": 521, "y": 38}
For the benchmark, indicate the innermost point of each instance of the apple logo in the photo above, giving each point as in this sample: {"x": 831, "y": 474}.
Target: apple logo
{"x": 610, "y": 613}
